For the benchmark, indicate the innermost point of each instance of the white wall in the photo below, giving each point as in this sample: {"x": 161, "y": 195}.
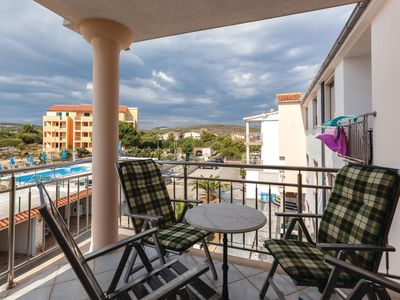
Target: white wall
{"x": 357, "y": 81}
{"x": 339, "y": 89}
{"x": 385, "y": 62}
{"x": 291, "y": 139}
{"x": 270, "y": 137}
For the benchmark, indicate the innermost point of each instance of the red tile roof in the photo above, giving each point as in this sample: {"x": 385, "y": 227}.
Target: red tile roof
{"x": 23, "y": 216}
{"x": 288, "y": 97}
{"x": 79, "y": 108}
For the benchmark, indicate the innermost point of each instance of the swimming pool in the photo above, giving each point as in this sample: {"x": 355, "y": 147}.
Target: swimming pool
{"x": 50, "y": 174}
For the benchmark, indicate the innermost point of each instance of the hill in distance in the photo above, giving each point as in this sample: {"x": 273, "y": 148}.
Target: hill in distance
{"x": 219, "y": 129}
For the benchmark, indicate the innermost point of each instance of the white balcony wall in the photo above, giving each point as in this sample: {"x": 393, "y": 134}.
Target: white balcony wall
{"x": 357, "y": 78}
{"x": 385, "y": 60}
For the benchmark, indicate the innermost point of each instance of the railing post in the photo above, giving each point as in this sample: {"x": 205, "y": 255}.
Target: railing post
{"x": 11, "y": 235}
{"x": 300, "y": 199}
{"x": 365, "y": 140}
{"x": 185, "y": 191}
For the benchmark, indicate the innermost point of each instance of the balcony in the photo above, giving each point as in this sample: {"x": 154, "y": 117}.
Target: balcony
{"x": 40, "y": 275}
{"x": 56, "y": 280}
{"x": 360, "y": 138}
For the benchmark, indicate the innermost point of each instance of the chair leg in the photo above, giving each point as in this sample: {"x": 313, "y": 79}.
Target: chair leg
{"x": 371, "y": 295}
{"x": 158, "y": 248}
{"x": 130, "y": 265}
{"x": 209, "y": 260}
{"x": 333, "y": 277}
{"x": 359, "y": 291}
{"x": 382, "y": 293}
{"x": 271, "y": 273}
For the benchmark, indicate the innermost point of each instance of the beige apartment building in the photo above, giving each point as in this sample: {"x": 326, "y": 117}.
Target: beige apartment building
{"x": 70, "y": 126}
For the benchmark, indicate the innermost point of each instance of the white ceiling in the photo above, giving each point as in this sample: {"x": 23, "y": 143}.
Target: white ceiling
{"x": 362, "y": 46}
{"x": 150, "y": 19}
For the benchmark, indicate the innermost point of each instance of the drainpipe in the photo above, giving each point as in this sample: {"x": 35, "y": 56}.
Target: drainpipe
{"x": 323, "y": 163}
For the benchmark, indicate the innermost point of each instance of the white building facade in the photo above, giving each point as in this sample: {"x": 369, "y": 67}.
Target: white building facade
{"x": 282, "y": 143}
{"x": 360, "y": 77}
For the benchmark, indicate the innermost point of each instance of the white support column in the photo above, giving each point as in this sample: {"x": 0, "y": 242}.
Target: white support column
{"x": 107, "y": 39}
{"x": 247, "y": 142}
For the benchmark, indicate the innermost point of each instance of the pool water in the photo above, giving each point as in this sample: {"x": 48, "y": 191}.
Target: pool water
{"x": 50, "y": 174}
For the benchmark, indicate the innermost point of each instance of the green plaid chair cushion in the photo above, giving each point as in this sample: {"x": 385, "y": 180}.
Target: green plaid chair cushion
{"x": 145, "y": 191}
{"x": 304, "y": 263}
{"x": 359, "y": 209}
{"x": 180, "y": 236}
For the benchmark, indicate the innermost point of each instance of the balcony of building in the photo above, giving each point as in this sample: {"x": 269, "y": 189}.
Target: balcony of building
{"x": 113, "y": 30}
{"x": 56, "y": 280}
{"x": 41, "y": 272}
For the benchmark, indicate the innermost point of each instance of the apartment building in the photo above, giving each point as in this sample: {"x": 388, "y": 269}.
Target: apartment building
{"x": 359, "y": 79}
{"x": 70, "y": 126}
{"x": 282, "y": 142}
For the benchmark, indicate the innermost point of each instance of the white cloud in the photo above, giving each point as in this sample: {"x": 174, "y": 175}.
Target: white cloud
{"x": 264, "y": 77}
{"x": 149, "y": 95}
{"x": 163, "y": 76}
{"x": 242, "y": 79}
{"x": 202, "y": 100}
{"x": 306, "y": 71}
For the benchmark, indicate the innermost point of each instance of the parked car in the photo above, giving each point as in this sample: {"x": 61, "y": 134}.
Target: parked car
{"x": 217, "y": 160}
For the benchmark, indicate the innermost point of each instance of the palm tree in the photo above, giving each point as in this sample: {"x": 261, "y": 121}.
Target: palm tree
{"x": 210, "y": 187}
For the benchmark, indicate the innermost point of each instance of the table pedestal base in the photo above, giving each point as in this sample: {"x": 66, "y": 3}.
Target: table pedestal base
{"x": 225, "y": 267}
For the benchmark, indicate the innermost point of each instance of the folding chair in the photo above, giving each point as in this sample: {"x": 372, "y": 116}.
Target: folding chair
{"x": 354, "y": 227}
{"x": 167, "y": 281}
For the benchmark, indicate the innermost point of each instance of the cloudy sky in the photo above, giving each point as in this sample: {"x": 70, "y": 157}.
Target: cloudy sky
{"x": 214, "y": 76}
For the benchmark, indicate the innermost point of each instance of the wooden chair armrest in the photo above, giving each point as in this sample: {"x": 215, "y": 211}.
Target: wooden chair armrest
{"x": 299, "y": 215}
{"x": 130, "y": 240}
{"x": 377, "y": 279}
{"x": 355, "y": 247}
{"x": 145, "y": 217}
{"x": 186, "y": 201}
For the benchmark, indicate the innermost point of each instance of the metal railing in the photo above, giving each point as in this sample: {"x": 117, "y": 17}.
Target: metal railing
{"x": 268, "y": 195}
{"x": 23, "y": 199}
{"x": 73, "y": 192}
{"x": 359, "y": 137}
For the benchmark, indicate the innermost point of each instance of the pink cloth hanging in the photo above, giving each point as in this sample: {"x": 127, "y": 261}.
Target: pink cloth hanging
{"x": 335, "y": 140}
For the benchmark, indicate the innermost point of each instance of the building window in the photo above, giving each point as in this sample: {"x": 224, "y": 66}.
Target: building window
{"x": 58, "y": 114}
{"x": 306, "y": 118}
{"x": 86, "y": 114}
{"x": 330, "y": 101}
{"x": 67, "y": 114}
{"x": 315, "y": 113}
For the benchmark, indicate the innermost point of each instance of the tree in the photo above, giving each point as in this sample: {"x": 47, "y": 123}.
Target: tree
{"x": 82, "y": 152}
{"x": 28, "y": 128}
{"x": 255, "y": 148}
{"x": 128, "y": 135}
{"x": 169, "y": 143}
{"x": 187, "y": 148}
{"x": 29, "y": 135}
{"x": 229, "y": 148}
{"x": 207, "y": 137}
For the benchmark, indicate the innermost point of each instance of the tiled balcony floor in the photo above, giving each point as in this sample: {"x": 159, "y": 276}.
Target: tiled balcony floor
{"x": 56, "y": 280}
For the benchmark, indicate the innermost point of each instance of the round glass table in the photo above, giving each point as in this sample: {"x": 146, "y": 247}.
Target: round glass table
{"x": 225, "y": 218}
